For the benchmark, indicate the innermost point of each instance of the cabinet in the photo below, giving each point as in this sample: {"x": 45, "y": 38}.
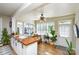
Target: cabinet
{"x": 21, "y": 49}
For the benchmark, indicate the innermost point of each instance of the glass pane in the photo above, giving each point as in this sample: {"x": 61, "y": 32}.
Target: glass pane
{"x": 42, "y": 28}
{"x": 20, "y": 27}
{"x": 64, "y": 29}
{"x": 28, "y": 28}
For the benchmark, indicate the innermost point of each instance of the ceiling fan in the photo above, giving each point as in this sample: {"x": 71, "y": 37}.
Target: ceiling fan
{"x": 42, "y": 18}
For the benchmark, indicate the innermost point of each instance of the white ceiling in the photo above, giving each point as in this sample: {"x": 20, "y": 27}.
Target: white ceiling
{"x": 28, "y": 9}
{"x": 9, "y": 9}
{"x": 33, "y": 11}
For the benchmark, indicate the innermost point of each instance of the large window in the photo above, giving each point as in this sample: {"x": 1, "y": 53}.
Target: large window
{"x": 65, "y": 28}
{"x": 20, "y": 27}
{"x": 43, "y": 28}
{"x": 25, "y": 28}
{"x": 28, "y": 29}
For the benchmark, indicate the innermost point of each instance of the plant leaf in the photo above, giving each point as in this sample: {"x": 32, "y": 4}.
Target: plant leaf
{"x": 67, "y": 42}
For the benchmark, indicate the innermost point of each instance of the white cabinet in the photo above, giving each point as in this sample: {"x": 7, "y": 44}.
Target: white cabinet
{"x": 30, "y": 49}
{"x": 20, "y": 49}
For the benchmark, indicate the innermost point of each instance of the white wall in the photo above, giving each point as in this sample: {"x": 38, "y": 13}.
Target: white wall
{"x": 77, "y": 18}
{"x": 5, "y": 23}
{"x": 77, "y": 39}
{"x": 0, "y": 27}
{"x": 14, "y": 25}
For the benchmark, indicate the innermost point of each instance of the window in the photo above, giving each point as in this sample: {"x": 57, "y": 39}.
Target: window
{"x": 28, "y": 28}
{"x": 20, "y": 27}
{"x": 43, "y": 28}
{"x": 25, "y": 28}
{"x": 65, "y": 29}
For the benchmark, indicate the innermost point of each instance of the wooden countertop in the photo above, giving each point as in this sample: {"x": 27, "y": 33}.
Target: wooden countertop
{"x": 30, "y": 40}
{"x": 27, "y": 41}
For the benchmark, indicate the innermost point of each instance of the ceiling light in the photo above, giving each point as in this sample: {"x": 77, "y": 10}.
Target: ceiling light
{"x": 42, "y": 18}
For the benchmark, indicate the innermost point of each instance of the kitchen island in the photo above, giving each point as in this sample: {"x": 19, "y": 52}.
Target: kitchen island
{"x": 24, "y": 45}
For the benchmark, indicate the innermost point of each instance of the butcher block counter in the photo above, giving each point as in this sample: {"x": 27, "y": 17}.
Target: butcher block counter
{"x": 27, "y": 41}
{"x": 24, "y": 45}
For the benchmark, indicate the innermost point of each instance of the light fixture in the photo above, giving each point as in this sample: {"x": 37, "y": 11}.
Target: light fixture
{"x": 42, "y": 18}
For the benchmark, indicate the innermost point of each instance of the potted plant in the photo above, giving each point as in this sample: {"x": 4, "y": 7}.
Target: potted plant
{"x": 5, "y": 37}
{"x": 17, "y": 33}
{"x": 70, "y": 48}
{"x": 53, "y": 36}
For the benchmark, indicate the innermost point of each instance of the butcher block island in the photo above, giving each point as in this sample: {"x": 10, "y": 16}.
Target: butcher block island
{"x": 24, "y": 45}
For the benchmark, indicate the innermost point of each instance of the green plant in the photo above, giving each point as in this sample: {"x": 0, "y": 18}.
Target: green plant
{"x": 53, "y": 33}
{"x": 5, "y": 37}
{"x": 70, "y": 47}
{"x": 17, "y": 33}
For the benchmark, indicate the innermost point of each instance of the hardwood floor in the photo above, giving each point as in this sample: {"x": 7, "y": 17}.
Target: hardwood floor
{"x": 43, "y": 49}
{"x": 47, "y": 49}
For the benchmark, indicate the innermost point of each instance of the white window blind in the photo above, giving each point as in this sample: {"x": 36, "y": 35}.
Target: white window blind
{"x": 42, "y": 28}
{"x": 65, "y": 29}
